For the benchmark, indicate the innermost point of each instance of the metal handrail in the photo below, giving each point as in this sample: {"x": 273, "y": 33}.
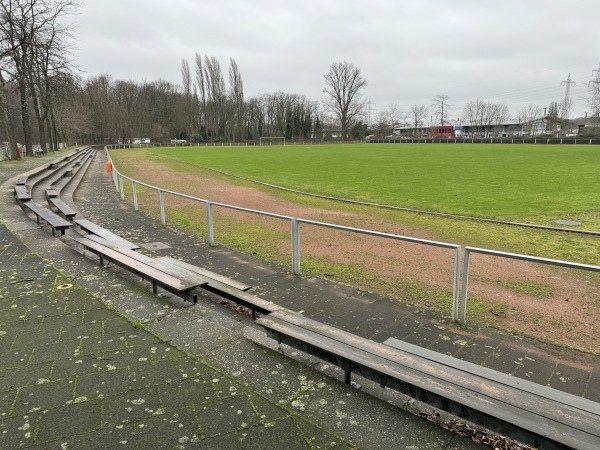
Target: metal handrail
{"x": 118, "y": 178}
{"x": 457, "y": 297}
{"x": 517, "y": 256}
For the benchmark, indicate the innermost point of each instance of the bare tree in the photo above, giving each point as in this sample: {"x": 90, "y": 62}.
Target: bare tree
{"x": 201, "y": 83}
{"x": 553, "y": 119}
{"x": 343, "y": 85}
{"x": 13, "y": 152}
{"x": 188, "y": 97}
{"x": 215, "y": 97}
{"x": 383, "y": 126}
{"x": 485, "y": 116}
{"x": 441, "y": 108}
{"x": 100, "y": 100}
{"x": 395, "y": 115}
{"x": 527, "y": 116}
{"x": 566, "y": 109}
{"x": 31, "y": 33}
{"x": 236, "y": 99}
{"x": 418, "y": 113}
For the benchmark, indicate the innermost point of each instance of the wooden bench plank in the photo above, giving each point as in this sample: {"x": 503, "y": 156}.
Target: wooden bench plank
{"x": 403, "y": 372}
{"x": 138, "y": 266}
{"x": 157, "y": 277}
{"x": 63, "y": 208}
{"x": 91, "y": 228}
{"x": 56, "y": 222}
{"x": 120, "y": 244}
{"x": 206, "y": 273}
{"x": 51, "y": 193}
{"x": 253, "y": 302}
{"x": 22, "y": 180}
{"x": 493, "y": 386}
{"x": 499, "y": 377}
{"x": 21, "y": 193}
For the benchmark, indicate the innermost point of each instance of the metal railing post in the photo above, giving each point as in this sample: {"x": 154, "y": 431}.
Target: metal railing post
{"x": 209, "y": 224}
{"x": 465, "y": 283}
{"x": 121, "y": 188}
{"x": 456, "y": 284}
{"x": 161, "y": 202}
{"x": 295, "y": 247}
{"x": 134, "y": 193}
{"x": 115, "y": 181}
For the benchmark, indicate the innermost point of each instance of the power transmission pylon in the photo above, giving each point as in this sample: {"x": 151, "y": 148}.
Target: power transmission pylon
{"x": 594, "y": 86}
{"x": 567, "y": 101}
{"x": 371, "y": 107}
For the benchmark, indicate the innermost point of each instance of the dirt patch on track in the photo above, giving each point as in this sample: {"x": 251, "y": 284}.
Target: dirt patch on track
{"x": 541, "y": 301}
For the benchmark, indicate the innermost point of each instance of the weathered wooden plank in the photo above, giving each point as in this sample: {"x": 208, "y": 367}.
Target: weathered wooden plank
{"x": 21, "y": 193}
{"x": 56, "y": 222}
{"x": 206, "y": 273}
{"x": 548, "y": 406}
{"x": 51, "y": 193}
{"x": 120, "y": 244}
{"x": 440, "y": 391}
{"x": 251, "y": 301}
{"x": 91, "y": 228}
{"x": 256, "y": 304}
{"x": 138, "y": 266}
{"x": 63, "y": 208}
{"x": 499, "y": 377}
{"x": 178, "y": 271}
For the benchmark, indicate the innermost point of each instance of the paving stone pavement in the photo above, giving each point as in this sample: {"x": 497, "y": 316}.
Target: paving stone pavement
{"x": 90, "y": 358}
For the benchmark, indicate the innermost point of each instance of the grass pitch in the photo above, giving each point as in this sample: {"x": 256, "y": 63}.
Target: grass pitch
{"x": 531, "y": 183}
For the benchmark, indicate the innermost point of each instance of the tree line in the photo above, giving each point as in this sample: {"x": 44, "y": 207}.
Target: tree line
{"x": 44, "y": 100}
{"x": 34, "y": 60}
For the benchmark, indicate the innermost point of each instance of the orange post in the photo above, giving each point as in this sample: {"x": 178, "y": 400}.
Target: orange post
{"x": 109, "y": 166}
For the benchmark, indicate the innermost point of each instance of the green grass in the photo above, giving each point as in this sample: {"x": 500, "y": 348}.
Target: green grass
{"x": 534, "y": 183}
{"x": 531, "y": 288}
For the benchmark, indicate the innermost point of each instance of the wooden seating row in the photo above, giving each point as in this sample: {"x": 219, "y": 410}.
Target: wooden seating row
{"x": 56, "y": 222}
{"x": 176, "y": 285}
{"x": 534, "y": 414}
{"x": 22, "y": 193}
{"x": 93, "y": 229}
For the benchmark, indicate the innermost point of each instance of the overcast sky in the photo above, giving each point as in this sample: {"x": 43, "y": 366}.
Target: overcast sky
{"x": 512, "y": 51}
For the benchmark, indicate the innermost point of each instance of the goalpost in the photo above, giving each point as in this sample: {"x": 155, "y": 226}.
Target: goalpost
{"x": 269, "y": 140}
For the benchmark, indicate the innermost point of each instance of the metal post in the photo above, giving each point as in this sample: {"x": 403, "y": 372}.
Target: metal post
{"x": 134, "y": 193}
{"x": 295, "y": 247}
{"x": 114, "y": 175}
{"x": 209, "y": 223}
{"x": 455, "y": 294}
{"x": 465, "y": 282}
{"x": 121, "y": 187}
{"x": 161, "y": 202}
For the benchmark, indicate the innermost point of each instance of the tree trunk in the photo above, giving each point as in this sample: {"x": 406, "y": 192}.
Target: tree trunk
{"x": 25, "y": 117}
{"x": 40, "y": 121}
{"x": 54, "y": 131}
{"x": 8, "y": 129}
{"x": 50, "y": 135}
